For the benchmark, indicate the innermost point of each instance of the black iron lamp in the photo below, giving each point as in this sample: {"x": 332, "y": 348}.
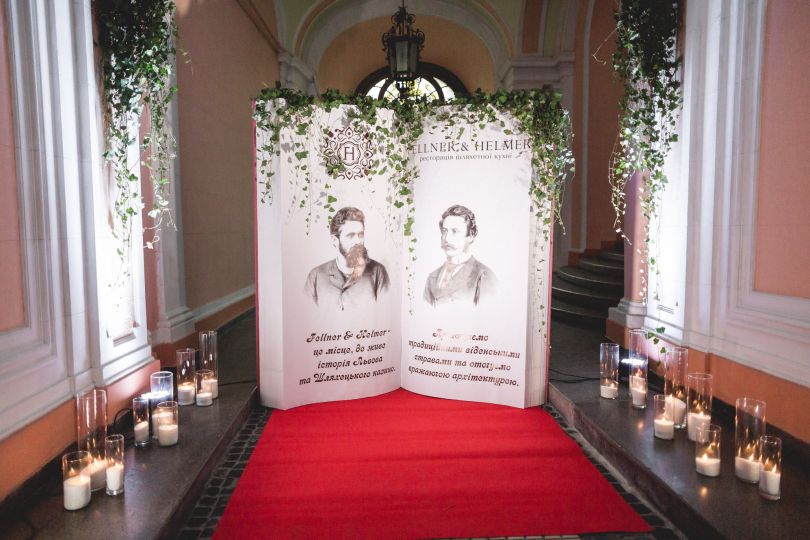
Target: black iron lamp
{"x": 402, "y": 44}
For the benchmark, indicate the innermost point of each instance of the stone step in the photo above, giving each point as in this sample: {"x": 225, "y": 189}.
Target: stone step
{"x": 579, "y": 315}
{"x": 610, "y": 255}
{"x": 597, "y": 282}
{"x": 602, "y": 266}
{"x": 581, "y": 296}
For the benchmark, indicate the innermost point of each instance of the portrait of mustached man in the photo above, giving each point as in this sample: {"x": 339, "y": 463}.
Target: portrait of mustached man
{"x": 352, "y": 279}
{"x": 462, "y": 278}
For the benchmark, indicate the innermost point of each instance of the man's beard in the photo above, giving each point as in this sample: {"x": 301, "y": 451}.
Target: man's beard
{"x": 356, "y": 259}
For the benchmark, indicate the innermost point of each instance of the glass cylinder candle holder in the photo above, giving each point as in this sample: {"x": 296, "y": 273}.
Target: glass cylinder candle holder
{"x": 638, "y": 382}
{"x": 140, "y": 421}
{"x": 114, "y": 452}
{"x": 770, "y": 475}
{"x": 76, "y": 479}
{"x": 91, "y": 430}
{"x": 749, "y": 426}
{"x": 663, "y": 423}
{"x": 186, "y": 381}
{"x": 208, "y": 359}
{"x": 161, "y": 384}
{"x": 698, "y": 402}
{"x": 675, "y": 365}
{"x": 707, "y": 449}
{"x": 609, "y": 370}
{"x": 205, "y": 396}
{"x": 168, "y": 423}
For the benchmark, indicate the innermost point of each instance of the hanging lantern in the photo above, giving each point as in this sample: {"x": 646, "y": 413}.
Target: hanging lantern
{"x": 402, "y": 44}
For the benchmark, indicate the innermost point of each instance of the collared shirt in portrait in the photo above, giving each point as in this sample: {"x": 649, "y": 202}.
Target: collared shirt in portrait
{"x": 328, "y": 286}
{"x": 470, "y": 281}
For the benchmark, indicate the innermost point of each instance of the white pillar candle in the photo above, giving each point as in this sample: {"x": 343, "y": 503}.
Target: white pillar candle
{"x": 98, "y": 476}
{"x": 212, "y": 385}
{"x": 769, "y": 482}
{"x": 678, "y": 407}
{"x": 638, "y": 390}
{"x": 696, "y": 420}
{"x": 747, "y": 469}
{"x": 204, "y": 399}
{"x": 156, "y": 421}
{"x": 609, "y": 392}
{"x": 185, "y": 394}
{"x": 77, "y": 492}
{"x": 707, "y": 466}
{"x": 142, "y": 432}
{"x": 167, "y": 434}
{"x": 663, "y": 428}
{"x": 115, "y": 477}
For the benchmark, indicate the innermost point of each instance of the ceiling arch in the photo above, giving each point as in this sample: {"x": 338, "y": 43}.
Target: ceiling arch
{"x": 326, "y": 20}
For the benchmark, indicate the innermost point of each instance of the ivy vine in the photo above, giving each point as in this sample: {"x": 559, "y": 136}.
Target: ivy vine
{"x": 647, "y": 63}
{"x": 287, "y": 117}
{"x": 136, "y": 39}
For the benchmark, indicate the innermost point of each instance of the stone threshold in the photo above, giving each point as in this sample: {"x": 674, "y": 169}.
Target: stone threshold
{"x": 664, "y": 471}
{"x": 161, "y": 485}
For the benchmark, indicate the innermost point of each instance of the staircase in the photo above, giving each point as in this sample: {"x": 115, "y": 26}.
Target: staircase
{"x": 583, "y": 293}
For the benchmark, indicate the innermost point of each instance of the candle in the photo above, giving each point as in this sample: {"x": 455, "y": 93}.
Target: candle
{"x": 707, "y": 466}
{"x": 167, "y": 434}
{"x": 77, "y": 492}
{"x": 747, "y": 469}
{"x": 142, "y": 432}
{"x": 695, "y": 421}
{"x": 185, "y": 393}
{"x": 212, "y": 385}
{"x": 663, "y": 428}
{"x": 678, "y": 408}
{"x": 638, "y": 390}
{"x": 609, "y": 391}
{"x": 204, "y": 399}
{"x": 115, "y": 477}
{"x": 156, "y": 416}
{"x": 97, "y": 475}
{"x": 769, "y": 482}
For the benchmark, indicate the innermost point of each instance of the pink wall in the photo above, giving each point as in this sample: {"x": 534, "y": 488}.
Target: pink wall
{"x": 228, "y": 63}
{"x": 783, "y": 193}
{"x": 603, "y": 97}
{"x": 349, "y": 58}
{"x": 12, "y": 310}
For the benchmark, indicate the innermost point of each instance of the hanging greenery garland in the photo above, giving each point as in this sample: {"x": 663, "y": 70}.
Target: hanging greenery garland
{"x": 646, "y": 61}
{"x": 537, "y": 114}
{"x": 136, "y": 38}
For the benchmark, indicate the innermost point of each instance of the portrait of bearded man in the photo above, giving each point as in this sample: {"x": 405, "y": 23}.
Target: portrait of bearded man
{"x": 352, "y": 279}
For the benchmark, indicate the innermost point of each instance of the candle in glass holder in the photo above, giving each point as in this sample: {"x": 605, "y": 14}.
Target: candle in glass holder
{"x": 770, "y": 475}
{"x": 609, "y": 370}
{"x": 208, "y": 359}
{"x": 707, "y": 450}
{"x": 205, "y": 394}
{"x": 678, "y": 409}
{"x": 638, "y": 391}
{"x": 76, "y": 480}
{"x": 98, "y": 473}
{"x": 168, "y": 429}
{"x": 698, "y": 401}
{"x": 185, "y": 393}
{"x": 114, "y": 453}
{"x": 140, "y": 421}
{"x": 695, "y": 421}
{"x": 749, "y": 427}
{"x": 663, "y": 425}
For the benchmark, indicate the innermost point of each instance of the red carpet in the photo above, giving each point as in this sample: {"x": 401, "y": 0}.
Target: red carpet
{"x": 402, "y": 465}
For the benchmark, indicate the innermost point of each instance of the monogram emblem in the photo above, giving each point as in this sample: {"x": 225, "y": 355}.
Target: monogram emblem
{"x": 350, "y": 152}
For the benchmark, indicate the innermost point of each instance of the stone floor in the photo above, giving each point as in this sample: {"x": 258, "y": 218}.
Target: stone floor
{"x": 237, "y": 343}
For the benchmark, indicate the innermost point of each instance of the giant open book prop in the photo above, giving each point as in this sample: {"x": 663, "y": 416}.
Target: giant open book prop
{"x": 370, "y": 278}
